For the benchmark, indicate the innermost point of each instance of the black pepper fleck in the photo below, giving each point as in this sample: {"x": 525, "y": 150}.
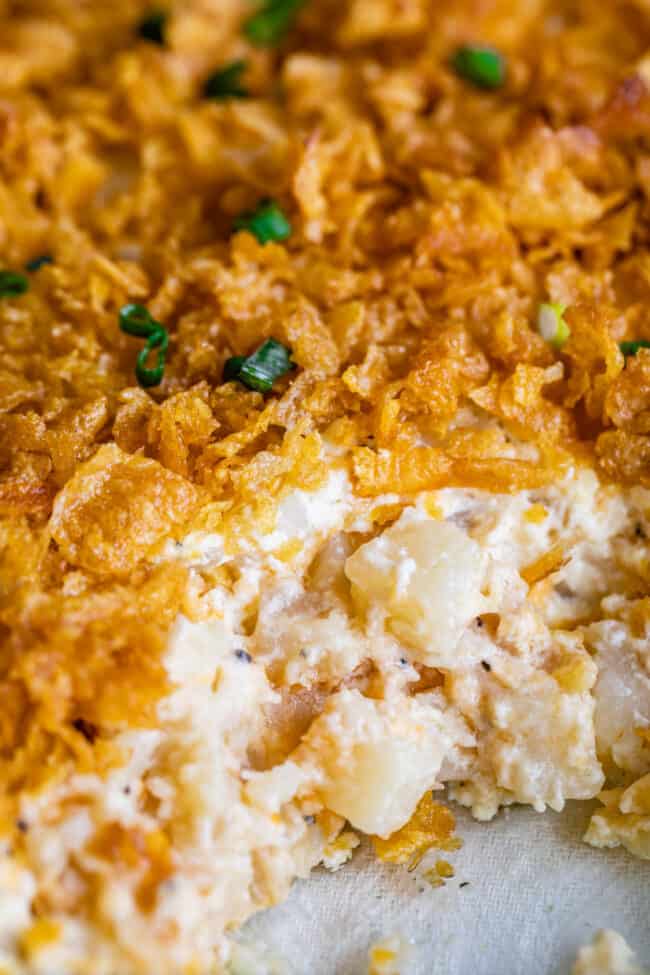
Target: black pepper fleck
{"x": 22, "y": 825}
{"x": 127, "y": 790}
{"x": 310, "y": 820}
{"x": 486, "y": 666}
{"x": 564, "y": 591}
{"x": 465, "y": 883}
{"x": 403, "y": 661}
{"x": 479, "y": 622}
{"x": 243, "y": 655}
{"x": 638, "y": 530}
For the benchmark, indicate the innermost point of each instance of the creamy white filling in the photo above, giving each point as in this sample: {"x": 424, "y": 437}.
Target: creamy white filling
{"x": 504, "y": 728}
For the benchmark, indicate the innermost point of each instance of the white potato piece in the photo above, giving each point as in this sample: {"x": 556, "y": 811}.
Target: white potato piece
{"x": 622, "y": 694}
{"x": 427, "y": 576}
{"x": 377, "y": 761}
{"x": 541, "y": 745}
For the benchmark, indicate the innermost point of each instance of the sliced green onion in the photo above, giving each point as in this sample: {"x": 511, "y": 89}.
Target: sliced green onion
{"x": 12, "y": 284}
{"x": 267, "y": 222}
{"x": 152, "y": 377}
{"x": 259, "y": 370}
{"x": 232, "y": 367}
{"x": 271, "y": 22}
{"x": 551, "y": 325}
{"x": 137, "y": 320}
{"x": 631, "y": 348}
{"x": 483, "y": 66}
{"x": 38, "y": 262}
{"x": 225, "y": 83}
{"x": 152, "y": 27}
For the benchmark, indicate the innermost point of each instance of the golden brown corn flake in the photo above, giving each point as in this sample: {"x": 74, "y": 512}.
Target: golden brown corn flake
{"x": 115, "y": 509}
{"x": 431, "y": 825}
{"x": 66, "y": 658}
{"x": 540, "y": 189}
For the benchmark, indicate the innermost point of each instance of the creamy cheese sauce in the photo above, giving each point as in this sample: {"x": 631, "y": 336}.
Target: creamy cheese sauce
{"x": 297, "y": 705}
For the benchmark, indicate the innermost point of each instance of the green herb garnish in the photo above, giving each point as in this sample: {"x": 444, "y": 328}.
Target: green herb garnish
{"x": 152, "y": 27}
{"x": 631, "y": 348}
{"x": 137, "y": 320}
{"x": 267, "y": 222}
{"x": 224, "y": 83}
{"x": 259, "y": 370}
{"x": 271, "y": 22}
{"x": 482, "y": 66}
{"x": 551, "y": 325}
{"x": 12, "y": 284}
{"x": 152, "y": 377}
{"x": 38, "y": 262}
{"x": 232, "y": 367}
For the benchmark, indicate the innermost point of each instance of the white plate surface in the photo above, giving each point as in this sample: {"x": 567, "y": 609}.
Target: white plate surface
{"x": 536, "y": 893}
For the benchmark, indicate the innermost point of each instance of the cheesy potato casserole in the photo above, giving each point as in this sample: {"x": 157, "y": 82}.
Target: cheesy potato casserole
{"x": 324, "y": 451}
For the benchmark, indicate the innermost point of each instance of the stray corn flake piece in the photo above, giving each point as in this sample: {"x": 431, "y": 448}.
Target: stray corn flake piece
{"x": 436, "y": 875}
{"x": 431, "y": 825}
{"x": 390, "y": 956}
{"x": 340, "y": 850}
{"x": 625, "y": 820}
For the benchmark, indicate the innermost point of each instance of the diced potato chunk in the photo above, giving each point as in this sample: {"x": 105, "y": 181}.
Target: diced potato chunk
{"x": 377, "y": 762}
{"x": 622, "y": 693}
{"x": 542, "y": 743}
{"x": 427, "y": 575}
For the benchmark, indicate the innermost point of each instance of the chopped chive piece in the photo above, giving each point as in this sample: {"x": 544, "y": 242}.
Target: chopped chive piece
{"x": 12, "y": 284}
{"x": 482, "y": 66}
{"x": 225, "y": 83}
{"x": 38, "y": 262}
{"x": 152, "y": 27}
{"x": 259, "y": 370}
{"x": 137, "y": 320}
{"x": 551, "y": 325}
{"x": 267, "y": 222}
{"x": 232, "y": 367}
{"x": 152, "y": 377}
{"x": 271, "y": 22}
{"x": 631, "y": 348}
